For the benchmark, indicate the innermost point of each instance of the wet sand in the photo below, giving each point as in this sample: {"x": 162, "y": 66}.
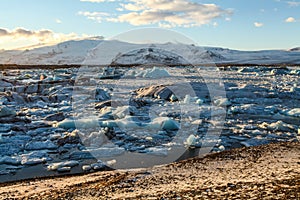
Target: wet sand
{"x": 264, "y": 172}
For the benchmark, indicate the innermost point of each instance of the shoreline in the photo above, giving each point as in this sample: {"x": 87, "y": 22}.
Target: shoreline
{"x": 75, "y": 66}
{"x": 254, "y": 172}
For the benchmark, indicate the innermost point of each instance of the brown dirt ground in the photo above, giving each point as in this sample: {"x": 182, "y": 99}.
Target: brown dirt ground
{"x": 265, "y": 172}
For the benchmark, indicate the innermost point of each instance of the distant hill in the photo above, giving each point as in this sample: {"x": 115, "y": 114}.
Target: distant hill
{"x": 98, "y": 51}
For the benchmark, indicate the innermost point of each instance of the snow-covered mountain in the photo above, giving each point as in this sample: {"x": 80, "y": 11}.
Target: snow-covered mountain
{"x": 101, "y": 52}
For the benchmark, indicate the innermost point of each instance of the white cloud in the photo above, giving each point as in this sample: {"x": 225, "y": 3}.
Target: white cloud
{"x": 97, "y": 16}
{"x": 290, "y": 20}
{"x": 58, "y": 21}
{"x": 22, "y": 37}
{"x": 293, "y": 3}
{"x": 258, "y": 24}
{"x": 21, "y": 32}
{"x": 165, "y": 13}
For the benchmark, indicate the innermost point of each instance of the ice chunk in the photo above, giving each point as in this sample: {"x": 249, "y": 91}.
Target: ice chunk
{"x": 109, "y": 123}
{"x": 86, "y": 168}
{"x": 187, "y": 99}
{"x": 277, "y": 126}
{"x": 10, "y": 160}
{"x": 35, "y": 157}
{"x": 5, "y": 84}
{"x": 81, "y": 123}
{"x": 123, "y": 111}
{"x": 155, "y": 72}
{"x": 191, "y": 141}
{"x": 5, "y": 127}
{"x": 221, "y": 148}
{"x": 6, "y": 112}
{"x": 294, "y": 112}
{"x": 255, "y": 142}
{"x": 64, "y": 169}
{"x": 36, "y": 145}
{"x": 41, "y": 104}
{"x": 56, "y": 166}
{"x": 126, "y": 123}
{"x": 199, "y": 101}
{"x": 165, "y": 123}
{"x": 173, "y": 98}
{"x": 222, "y": 102}
{"x": 111, "y": 162}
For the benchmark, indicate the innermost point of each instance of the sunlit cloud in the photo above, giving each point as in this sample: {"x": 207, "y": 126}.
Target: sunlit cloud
{"x": 164, "y": 13}
{"x": 290, "y": 20}
{"x": 258, "y": 24}
{"x": 25, "y": 37}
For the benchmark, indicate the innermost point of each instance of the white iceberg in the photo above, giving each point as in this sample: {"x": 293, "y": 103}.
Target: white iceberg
{"x": 155, "y": 72}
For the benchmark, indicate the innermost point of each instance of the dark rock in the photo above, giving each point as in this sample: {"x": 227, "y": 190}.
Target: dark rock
{"x": 69, "y": 138}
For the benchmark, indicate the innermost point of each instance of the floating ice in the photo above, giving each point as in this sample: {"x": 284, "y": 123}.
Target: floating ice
{"x": 165, "y": 123}
{"x": 36, "y": 145}
{"x": 81, "y": 123}
{"x": 123, "y": 111}
{"x": 104, "y": 152}
{"x": 35, "y": 157}
{"x": 155, "y": 72}
{"x": 293, "y": 113}
{"x": 41, "y": 104}
{"x": 188, "y": 99}
{"x": 5, "y": 127}
{"x": 222, "y": 102}
{"x": 6, "y": 112}
{"x": 10, "y": 160}
{"x": 278, "y": 126}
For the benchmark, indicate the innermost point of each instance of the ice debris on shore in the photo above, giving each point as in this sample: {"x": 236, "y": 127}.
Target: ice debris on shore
{"x": 37, "y": 124}
{"x": 62, "y": 166}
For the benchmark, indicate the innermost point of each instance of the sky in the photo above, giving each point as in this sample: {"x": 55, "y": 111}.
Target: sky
{"x": 234, "y": 24}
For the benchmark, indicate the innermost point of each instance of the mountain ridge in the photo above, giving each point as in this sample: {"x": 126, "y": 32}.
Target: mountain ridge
{"x": 98, "y": 51}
